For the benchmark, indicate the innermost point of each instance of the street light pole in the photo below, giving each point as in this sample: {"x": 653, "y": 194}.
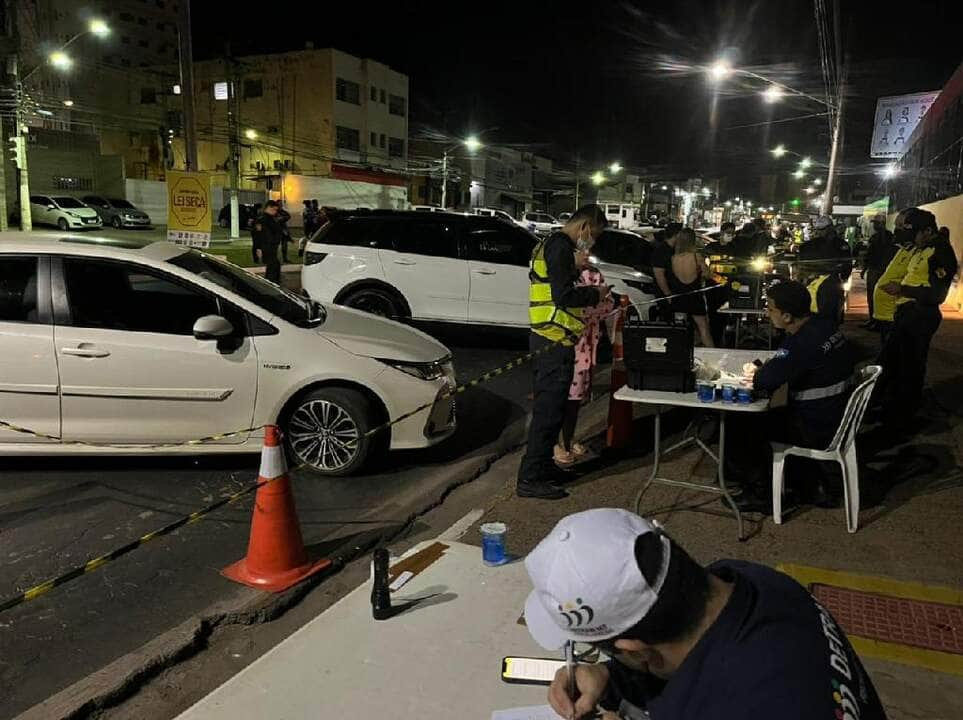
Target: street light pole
{"x": 26, "y": 219}
{"x": 186, "y": 59}
{"x": 444, "y": 180}
{"x": 833, "y": 157}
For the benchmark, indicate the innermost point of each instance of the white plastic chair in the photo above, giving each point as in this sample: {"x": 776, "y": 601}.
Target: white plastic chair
{"x": 842, "y": 449}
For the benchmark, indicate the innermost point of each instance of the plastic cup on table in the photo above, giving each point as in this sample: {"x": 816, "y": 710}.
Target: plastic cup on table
{"x": 493, "y": 543}
{"x": 745, "y": 395}
{"x": 707, "y": 392}
{"x": 729, "y": 394}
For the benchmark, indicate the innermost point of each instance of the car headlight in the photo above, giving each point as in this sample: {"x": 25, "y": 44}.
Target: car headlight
{"x": 72, "y": 214}
{"x": 423, "y": 371}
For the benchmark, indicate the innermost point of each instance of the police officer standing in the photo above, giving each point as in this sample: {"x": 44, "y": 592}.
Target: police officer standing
{"x": 880, "y": 252}
{"x": 826, "y": 262}
{"x": 919, "y": 294}
{"x": 555, "y": 313}
{"x": 268, "y": 235}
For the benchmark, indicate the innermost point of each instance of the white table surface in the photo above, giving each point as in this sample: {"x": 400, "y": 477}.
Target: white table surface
{"x": 726, "y": 310}
{"x": 435, "y": 662}
{"x": 731, "y": 361}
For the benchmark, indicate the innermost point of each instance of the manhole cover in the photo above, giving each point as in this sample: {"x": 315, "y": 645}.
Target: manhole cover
{"x": 916, "y": 623}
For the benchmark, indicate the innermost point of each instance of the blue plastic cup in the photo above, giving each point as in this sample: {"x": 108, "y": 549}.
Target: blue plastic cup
{"x": 493, "y": 543}
{"x": 729, "y": 393}
{"x": 745, "y": 395}
{"x": 707, "y": 392}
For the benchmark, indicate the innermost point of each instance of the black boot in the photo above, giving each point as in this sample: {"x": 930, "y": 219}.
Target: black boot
{"x": 539, "y": 489}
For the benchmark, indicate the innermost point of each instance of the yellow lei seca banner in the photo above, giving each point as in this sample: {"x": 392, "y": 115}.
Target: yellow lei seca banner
{"x": 189, "y": 208}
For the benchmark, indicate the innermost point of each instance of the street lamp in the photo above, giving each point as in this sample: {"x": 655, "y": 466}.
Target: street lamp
{"x": 890, "y": 171}
{"x": 772, "y": 94}
{"x": 472, "y": 145}
{"x": 805, "y": 163}
{"x": 598, "y": 177}
{"x": 68, "y": 103}
{"x": 60, "y": 60}
{"x": 615, "y": 168}
{"x": 779, "y": 151}
{"x": 818, "y": 181}
{"x": 250, "y": 134}
{"x": 665, "y": 187}
{"x": 98, "y": 27}
{"x": 719, "y": 70}
{"x": 799, "y": 174}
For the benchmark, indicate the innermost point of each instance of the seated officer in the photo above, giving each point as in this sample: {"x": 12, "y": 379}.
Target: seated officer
{"x": 731, "y": 641}
{"x": 817, "y": 363}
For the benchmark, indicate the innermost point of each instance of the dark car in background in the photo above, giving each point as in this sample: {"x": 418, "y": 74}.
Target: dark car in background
{"x": 248, "y": 214}
{"x": 117, "y": 212}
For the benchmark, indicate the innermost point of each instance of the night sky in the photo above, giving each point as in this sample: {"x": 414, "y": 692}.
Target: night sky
{"x": 614, "y": 80}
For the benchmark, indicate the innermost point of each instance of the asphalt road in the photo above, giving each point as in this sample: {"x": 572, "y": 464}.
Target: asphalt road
{"x": 57, "y": 513}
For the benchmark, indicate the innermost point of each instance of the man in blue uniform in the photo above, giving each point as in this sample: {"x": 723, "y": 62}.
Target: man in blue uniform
{"x": 817, "y": 364}
{"x": 731, "y": 641}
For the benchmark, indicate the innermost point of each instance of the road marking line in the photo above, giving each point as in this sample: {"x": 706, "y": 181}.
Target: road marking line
{"x": 462, "y": 526}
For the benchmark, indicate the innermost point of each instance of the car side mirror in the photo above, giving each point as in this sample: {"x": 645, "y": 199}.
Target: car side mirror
{"x": 51, "y": 207}
{"x": 212, "y": 327}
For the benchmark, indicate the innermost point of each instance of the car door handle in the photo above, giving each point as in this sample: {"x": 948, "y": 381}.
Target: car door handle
{"x": 405, "y": 262}
{"x": 82, "y": 351}
{"x": 484, "y": 271}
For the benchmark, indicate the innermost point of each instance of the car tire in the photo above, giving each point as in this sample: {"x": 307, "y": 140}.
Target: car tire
{"x": 376, "y": 301}
{"x": 115, "y": 221}
{"x": 346, "y": 415}
{"x": 62, "y": 224}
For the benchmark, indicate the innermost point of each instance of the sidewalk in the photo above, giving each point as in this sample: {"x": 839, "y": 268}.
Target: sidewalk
{"x": 909, "y": 531}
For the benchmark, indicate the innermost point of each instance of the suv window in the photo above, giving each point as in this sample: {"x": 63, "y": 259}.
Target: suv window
{"x": 627, "y": 249}
{"x": 118, "y": 296}
{"x": 18, "y": 289}
{"x": 356, "y": 232}
{"x": 422, "y": 237}
{"x": 496, "y": 242}
{"x": 95, "y": 200}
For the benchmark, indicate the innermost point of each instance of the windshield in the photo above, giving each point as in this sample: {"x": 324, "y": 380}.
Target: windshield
{"x": 120, "y": 204}
{"x": 277, "y": 301}
{"x": 623, "y": 249}
{"x": 69, "y": 202}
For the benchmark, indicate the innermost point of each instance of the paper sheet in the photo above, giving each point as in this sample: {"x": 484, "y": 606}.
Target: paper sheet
{"x": 533, "y": 712}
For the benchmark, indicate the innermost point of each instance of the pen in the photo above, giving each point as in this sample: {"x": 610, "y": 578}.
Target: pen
{"x": 570, "y": 664}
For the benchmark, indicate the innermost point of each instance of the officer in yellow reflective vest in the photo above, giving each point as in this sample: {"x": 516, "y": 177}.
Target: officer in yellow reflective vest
{"x": 826, "y": 263}
{"x": 918, "y": 295}
{"x": 555, "y": 312}
{"x": 884, "y": 304}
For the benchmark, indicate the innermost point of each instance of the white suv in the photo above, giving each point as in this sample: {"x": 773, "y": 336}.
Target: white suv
{"x": 65, "y": 212}
{"x": 121, "y": 345}
{"x": 441, "y": 268}
{"x": 540, "y": 223}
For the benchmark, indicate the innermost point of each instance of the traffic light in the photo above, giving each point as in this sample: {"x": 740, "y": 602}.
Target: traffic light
{"x": 794, "y": 202}
{"x": 17, "y": 150}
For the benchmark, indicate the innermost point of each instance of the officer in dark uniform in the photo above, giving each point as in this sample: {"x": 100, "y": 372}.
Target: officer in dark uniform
{"x": 555, "y": 313}
{"x": 817, "y": 364}
{"x": 826, "y": 264}
{"x": 919, "y": 294}
{"x": 267, "y": 234}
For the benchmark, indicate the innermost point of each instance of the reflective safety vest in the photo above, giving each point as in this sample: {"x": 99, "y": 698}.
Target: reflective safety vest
{"x": 561, "y": 325}
{"x": 813, "y": 288}
{"x": 884, "y": 304}
{"x": 917, "y": 271}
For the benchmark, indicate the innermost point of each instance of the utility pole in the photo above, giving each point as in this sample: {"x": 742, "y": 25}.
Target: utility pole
{"x": 186, "y": 57}
{"x": 19, "y": 141}
{"x": 444, "y": 180}
{"x": 234, "y": 134}
{"x": 576, "y": 183}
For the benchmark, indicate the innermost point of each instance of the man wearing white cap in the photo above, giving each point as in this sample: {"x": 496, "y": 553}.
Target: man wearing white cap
{"x": 732, "y": 641}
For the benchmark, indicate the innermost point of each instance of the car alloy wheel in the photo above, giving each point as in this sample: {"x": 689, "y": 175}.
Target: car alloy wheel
{"x": 115, "y": 221}
{"x": 324, "y": 435}
{"x": 62, "y": 224}
{"x": 373, "y": 301}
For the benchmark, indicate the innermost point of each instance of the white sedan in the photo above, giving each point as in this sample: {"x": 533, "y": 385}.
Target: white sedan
{"x": 122, "y": 347}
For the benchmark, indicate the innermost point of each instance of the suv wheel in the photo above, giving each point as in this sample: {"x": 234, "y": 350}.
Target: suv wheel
{"x": 375, "y": 301}
{"x": 62, "y": 224}
{"x": 325, "y": 431}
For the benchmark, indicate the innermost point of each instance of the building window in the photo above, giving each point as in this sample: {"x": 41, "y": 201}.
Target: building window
{"x": 220, "y": 91}
{"x": 72, "y": 183}
{"x": 347, "y": 91}
{"x": 348, "y": 138}
{"x": 382, "y": 91}
{"x": 382, "y": 143}
{"x": 374, "y": 140}
{"x": 374, "y": 94}
{"x": 253, "y": 89}
{"x": 148, "y": 96}
{"x": 396, "y": 105}
{"x": 396, "y": 147}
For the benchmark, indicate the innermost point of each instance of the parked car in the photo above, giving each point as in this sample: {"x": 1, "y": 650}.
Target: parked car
{"x": 493, "y": 212}
{"x": 246, "y": 212}
{"x": 64, "y": 212}
{"x": 117, "y": 212}
{"x": 539, "y": 223}
{"x": 427, "y": 208}
{"x": 125, "y": 344}
{"x": 447, "y": 268}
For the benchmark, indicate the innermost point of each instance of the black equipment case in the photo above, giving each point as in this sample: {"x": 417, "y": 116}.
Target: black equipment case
{"x": 658, "y": 355}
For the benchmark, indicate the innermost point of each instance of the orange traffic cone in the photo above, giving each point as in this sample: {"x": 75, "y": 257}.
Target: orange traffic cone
{"x": 276, "y": 558}
{"x": 620, "y": 412}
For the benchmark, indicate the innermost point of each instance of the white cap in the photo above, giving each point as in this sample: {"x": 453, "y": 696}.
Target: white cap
{"x": 823, "y": 222}
{"x": 588, "y": 585}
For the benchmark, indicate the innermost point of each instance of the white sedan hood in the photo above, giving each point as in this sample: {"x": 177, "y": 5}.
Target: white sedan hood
{"x": 372, "y": 336}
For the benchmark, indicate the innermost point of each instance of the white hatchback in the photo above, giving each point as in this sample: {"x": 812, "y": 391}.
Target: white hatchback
{"x": 434, "y": 267}
{"x": 64, "y": 212}
{"x": 120, "y": 347}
